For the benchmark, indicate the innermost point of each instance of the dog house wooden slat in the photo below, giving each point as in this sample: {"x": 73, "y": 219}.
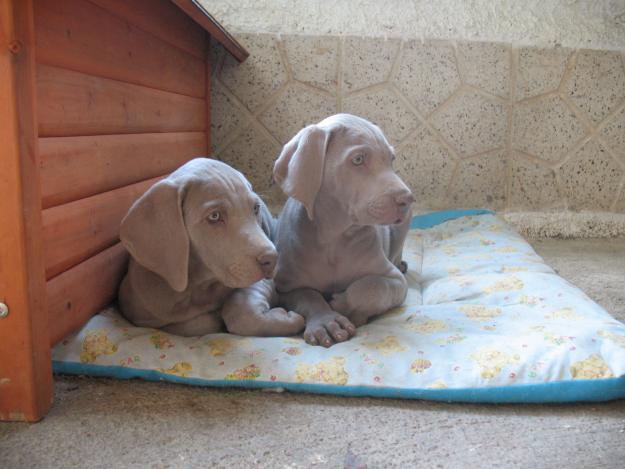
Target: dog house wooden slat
{"x": 74, "y": 295}
{"x": 76, "y": 231}
{"x": 25, "y": 366}
{"x": 73, "y": 103}
{"x": 84, "y": 37}
{"x": 77, "y": 167}
{"x": 157, "y": 17}
{"x": 105, "y": 96}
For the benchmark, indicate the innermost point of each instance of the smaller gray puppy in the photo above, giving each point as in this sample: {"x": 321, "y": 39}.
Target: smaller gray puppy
{"x": 194, "y": 237}
{"x": 341, "y": 233}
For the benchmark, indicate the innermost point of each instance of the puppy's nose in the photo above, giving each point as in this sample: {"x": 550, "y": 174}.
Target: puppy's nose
{"x": 404, "y": 199}
{"x": 267, "y": 261}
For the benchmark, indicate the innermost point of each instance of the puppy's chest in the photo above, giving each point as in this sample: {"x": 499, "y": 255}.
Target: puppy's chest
{"x": 210, "y": 294}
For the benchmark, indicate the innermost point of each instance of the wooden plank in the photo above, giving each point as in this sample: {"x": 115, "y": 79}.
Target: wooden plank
{"x": 25, "y": 367}
{"x": 81, "y": 36}
{"x": 202, "y": 17}
{"x": 209, "y": 72}
{"x": 79, "y": 293}
{"x": 73, "y": 103}
{"x": 73, "y": 168}
{"x": 76, "y": 231}
{"x": 162, "y": 19}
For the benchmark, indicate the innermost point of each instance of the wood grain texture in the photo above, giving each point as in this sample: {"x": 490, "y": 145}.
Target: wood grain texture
{"x": 162, "y": 19}
{"x": 81, "y": 36}
{"x": 25, "y": 364}
{"x": 72, "y": 103}
{"x": 73, "y": 168}
{"x": 76, "y": 231}
{"x": 202, "y": 17}
{"x": 79, "y": 293}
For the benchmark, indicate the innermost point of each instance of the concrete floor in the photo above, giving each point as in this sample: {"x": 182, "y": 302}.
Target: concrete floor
{"x": 105, "y": 423}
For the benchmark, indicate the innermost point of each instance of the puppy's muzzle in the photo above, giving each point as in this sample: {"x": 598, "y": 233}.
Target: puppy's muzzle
{"x": 403, "y": 200}
{"x": 267, "y": 262}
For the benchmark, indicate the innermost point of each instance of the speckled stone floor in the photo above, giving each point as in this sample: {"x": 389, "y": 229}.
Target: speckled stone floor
{"x": 111, "y": 424}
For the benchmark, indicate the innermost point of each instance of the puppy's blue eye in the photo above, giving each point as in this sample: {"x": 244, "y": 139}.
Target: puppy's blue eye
{"x": 214, "y": 217}
{"x": 358, "y": 159}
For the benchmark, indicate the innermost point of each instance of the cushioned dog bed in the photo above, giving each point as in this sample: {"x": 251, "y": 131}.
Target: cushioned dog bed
{"x": 485, "y": 320}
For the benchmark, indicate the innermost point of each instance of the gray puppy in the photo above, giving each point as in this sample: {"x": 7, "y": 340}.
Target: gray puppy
{"x": 194, "y": 237}
{"x": 341, "y": 233}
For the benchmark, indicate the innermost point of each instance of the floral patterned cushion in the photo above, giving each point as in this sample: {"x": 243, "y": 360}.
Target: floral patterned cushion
{"x": 485, "y": 320}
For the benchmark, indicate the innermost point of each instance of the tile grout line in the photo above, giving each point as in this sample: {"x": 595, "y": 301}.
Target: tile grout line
{"x": 514, "y": 64}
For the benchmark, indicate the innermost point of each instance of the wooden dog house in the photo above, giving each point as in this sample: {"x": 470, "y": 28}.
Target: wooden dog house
{"x": 98, "y": 99}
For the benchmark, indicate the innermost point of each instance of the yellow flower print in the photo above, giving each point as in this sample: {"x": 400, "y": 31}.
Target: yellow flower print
{"x": 453, "y": 270}
{"x": 96, "y": 343}
{"x": 486, "y": 242}
{"x": 529, "y": 300}
{"x": 452, "y": 339}
{"x": 492, "y": 361}
{"x": 387, "y": 346}
{"x": 161, "y": 341}
{"x": 220, "y": 347}
{"x": 480, "y": 312}
{"x": 508, "y": 269}
{"x": 331, "y": 371}
{"x": 495, "y": 228}
{"x": 179, "y": 369}
{"x": 592, "y": 368}
{"x": 428, "y": 326}
{"x": 292, "y": 351}
{"x": 564, "y": 313}
{"x": 505, "y": 249}
{"x": 507, "y": 284}
{"x": 438, "y": 384}
{"x": 249, "y": 372}
{"x": 617, "y": 339}
{"x": 449, "y": 250}
{"x": 420, "y": 365}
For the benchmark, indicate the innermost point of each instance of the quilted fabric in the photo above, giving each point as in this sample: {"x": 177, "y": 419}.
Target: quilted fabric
{"x": 485, "y": 320}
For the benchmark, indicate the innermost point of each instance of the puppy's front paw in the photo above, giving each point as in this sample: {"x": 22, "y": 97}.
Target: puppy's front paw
{"x": 328, "y": 329}
{"x": 340, "y": 303}
{"x": 284, "y": 323}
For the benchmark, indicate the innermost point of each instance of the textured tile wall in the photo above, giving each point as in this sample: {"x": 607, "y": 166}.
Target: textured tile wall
{"x": 473, "y": 124}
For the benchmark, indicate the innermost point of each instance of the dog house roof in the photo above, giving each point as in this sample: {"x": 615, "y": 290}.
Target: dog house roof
{"x": 199, "y": 14}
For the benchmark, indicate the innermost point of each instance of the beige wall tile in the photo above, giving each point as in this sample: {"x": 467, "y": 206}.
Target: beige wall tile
{"x": 426, "y": 167}
{"x": 533, "y": 186}
{"x": 480, "y": 182}
{"x": 472, "y": 123}
{"x": 545, "y": 128}
{"x": 313, "y": 60}
{"x": 297, "y": 107}
{"x": 485, "y": 65}
{"x": 597, "y": 83}
{"x": 590, "y": 178}
{"x": 256, "y": 79}
{"x": 614, "y": 133}
{"x": 385, "y": 109}
{"x": 540, "y": 70}
{"x": 427, "y": 74}
{"x": 367, "y": 61}
{"x": 230, "y": 116}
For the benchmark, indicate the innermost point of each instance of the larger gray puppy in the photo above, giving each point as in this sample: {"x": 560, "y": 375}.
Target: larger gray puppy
{"x": 194, "y": 238}
{"x": 341, "y": 233}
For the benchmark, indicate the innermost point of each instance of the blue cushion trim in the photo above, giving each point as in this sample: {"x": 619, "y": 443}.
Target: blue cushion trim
{"x": 589, "y": 390}
{"x": 429, "y": 220}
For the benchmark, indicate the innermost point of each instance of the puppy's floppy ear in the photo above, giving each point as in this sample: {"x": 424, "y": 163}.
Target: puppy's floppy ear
{"x": 299, "y": 168}
{"x": 154, "y": 233}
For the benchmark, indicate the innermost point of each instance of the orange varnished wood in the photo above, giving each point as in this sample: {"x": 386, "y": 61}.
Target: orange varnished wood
{"x": 162, "y": 19}
{"x": 76, "y": 231}
{"x": 81, "y": 36}
{"x": 75, "y": 295}
{"x": 73, "y": 168}
{"x": 25, "y": 365}
{"x": 72, "y": 103}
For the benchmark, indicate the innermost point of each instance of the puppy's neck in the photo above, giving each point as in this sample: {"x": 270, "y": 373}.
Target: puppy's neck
{"x": 199, "y": 272}
{"x": 331, "y": 220}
